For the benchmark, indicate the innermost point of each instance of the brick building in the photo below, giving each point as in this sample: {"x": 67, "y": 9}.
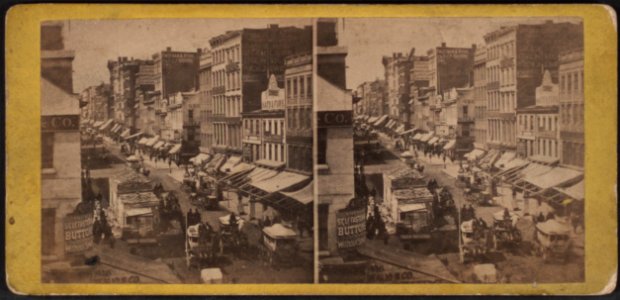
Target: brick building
{"x": 571, "y": 108}
{"x": 298, "y": 92}
{"x": 480, "y": 98}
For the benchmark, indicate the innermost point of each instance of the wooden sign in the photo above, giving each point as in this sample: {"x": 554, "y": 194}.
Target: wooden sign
{"x": 60, "y": 123}
{"x": 335, "y": 118}
{"x": 351, "y": 228}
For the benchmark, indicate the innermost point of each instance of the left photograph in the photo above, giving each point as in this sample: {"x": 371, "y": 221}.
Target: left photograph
{"x": 177, "y": 151}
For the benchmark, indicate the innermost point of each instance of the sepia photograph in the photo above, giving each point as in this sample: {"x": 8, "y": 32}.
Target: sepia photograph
{"x": 177, "y": 151}
{"x": 450, "y": 150}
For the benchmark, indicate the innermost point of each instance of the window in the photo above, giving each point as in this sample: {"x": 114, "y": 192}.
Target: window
{"x": 47, "y": 150}
{"x": 568, "y": 83}
{"x": 576, "y": 82}
{"x": 301, "y": 87}
{"x": 295, "y": 88}
{"x": 322, "y": 146}
{"x": 309, "y": 86}
{"x": 288, "y": 88}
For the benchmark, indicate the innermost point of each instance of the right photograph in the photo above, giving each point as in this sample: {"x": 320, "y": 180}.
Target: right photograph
{"x": 450, "y": 150}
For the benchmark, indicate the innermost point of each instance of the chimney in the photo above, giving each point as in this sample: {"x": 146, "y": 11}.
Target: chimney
{"x": 168, "y": 49}
{"x": 443, "y": 45}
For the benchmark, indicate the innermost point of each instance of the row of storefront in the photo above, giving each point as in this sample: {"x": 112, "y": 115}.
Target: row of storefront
{"x": 559, "y": 186}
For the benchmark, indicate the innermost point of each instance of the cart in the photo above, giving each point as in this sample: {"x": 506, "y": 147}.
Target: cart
{"x": 232, "y": 238}
{"x": 200, "y": 250}
{"x": 472, "y": 245}
{"x": 280, "y": 246}
{"x": 506, "y": 234}
{"x": 553, "y": 240}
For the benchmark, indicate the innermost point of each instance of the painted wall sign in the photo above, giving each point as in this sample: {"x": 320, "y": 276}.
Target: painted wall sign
{"x": 78, "y": 231}
{"x": 60, "y": 123}
{"x": 335, "y": 118}
{"x": 351, "y": 228}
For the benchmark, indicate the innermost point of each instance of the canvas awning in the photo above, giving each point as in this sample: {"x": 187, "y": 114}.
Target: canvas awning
{"x": 115, "y": 127}
{"x": 504, "y": 159}
{"x": 554, "y": 227}
{"x": 280, "y": 182}
{"x": 371, "y": 120}
{"x": 256, "y": 175}
{"x": 200, "y": 158}
{"x": 450, "y": 145}
{"x": 474, "y": 154}
{"x": 575, "y": 191}
{"x": 427, "y": 137}
{"x": 516, "y": 162}
{"x": 125, "y": 133}
{"x": 418, "y": 136}
{"x": 98, "y": 123}
{"x": 159, "y": 144}
{"x": 105, "y": 125}
{"x": 216, "y": 161}
{"x": 408, "y": 131}
{"x": 554, "y": 177}
{"x": 152, "y": 141}
{"x": 380, "y": 121}
{"x": 411, "y": 207}
{"x": 400, "y": 129}
{"x": 304, "y": 195}
{"x": 175, "y": 149}
{"x": 143, "y": 141}
{"x": 135, "y": 135}
{"x": 230, "y": 163}
{"x": 433, "y": 140}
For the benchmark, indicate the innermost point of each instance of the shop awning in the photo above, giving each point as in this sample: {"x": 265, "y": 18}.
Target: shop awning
{"x": 427, "y": 137}
{"x": 554, "y": 227}
{"x": 216, "y": 161}
{"x": 175, "y": 149}
{"x": 544, "y": 159}
{"x": 411, "y": 207}
{"x": 474, "y": 154}
{"x": 270, "y": 163}
{"x": 554, "y": 177}
{"x": 152, "y": 141}
{"x": 280, "y": 182}
{"x": 433, "y": 140}
{"x": 400, "y": 129}
{"x": 236, "y": 174}
{"x": 256, "y": 175}
{"x": 105, "y": 125}
{"x": 143, "y": 141}
{"x": 503, "y": 160}
{"x": 418, "y": 136}
{"x": 200, "y": 158}
{"x": 230, "y": 163}
{"x": 516, "y": 162}
{"x": 304, "y": 195}
{"x": 125, "y": 133}
{"x": 450, "y": 145}
{"x": 407, "y": 131}
{"x": 372, "y": 120}
{"x": 97, "y": 124}
{"x": 159, "y": 144}
{"x": 380, "y": 121}
{"x": 575, "y": 191}
{"x": 133, "y": 136}
{"x": 115, "y": 127}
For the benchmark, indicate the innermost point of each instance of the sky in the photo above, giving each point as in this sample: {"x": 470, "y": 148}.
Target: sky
{"x": 368, "y": 40}
{"x": 97, "y": 41}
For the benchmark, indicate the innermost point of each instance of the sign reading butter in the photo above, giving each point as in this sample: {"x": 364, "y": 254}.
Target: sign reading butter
{"x": 335, "y": 118}
{"x": 59, "y": 123}
{"x": 351, "y": 228}
{"x": 78, "y": 233}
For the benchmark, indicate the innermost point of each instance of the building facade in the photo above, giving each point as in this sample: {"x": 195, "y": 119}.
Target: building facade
{"x": 516, "y": 56}
{"x": 480, "y": 98}
{"x": 538, "y": 134}
{"x": 205, "y": 101}
{"x": 419, "y": 79}
{"x": 397, "y": 72}
{"x": 60, "y": 142}
{"x": 335, "y": 166}
{"x": 298, "y": 115}
{"x": 240, "y": 61}
{"x": 572, "y": 108}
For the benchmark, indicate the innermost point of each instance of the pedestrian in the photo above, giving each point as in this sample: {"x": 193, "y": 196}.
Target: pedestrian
{"x": 170, "y": 165}
{"x": 190, "y": 217}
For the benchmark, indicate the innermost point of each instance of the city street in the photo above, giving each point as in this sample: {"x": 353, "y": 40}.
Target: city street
{"x": 248, "y": 269}
{"x": 513, "y": 266}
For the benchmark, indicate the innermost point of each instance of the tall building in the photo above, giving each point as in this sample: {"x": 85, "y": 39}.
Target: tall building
{"x": 206, "y": 101}
{"x": 373, "y": 96}
{"x": 419, "y": 80}
{"x": 516, "y": 58}
{"x": 174, "y": 72}
{"x": 335, "y": 167}
{"x": 299, "y": 112}
{"x": 480, "y": 98}
{"x": 241, "y": 59}
{"x": 538, "y": 133}
{"x": 267, "y": 124}
{"x": 397, "y": 72}
{"x": 145, "y": 84}
{"x": 449, "y": 67}
{"x": 60, "y": 144}
{"x": 96, "y": 99}
{"x": 571, "y": 108}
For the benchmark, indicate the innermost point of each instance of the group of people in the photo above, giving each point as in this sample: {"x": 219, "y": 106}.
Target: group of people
{"x": 467, "y": 212}
{"x": 193, "y": 217}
